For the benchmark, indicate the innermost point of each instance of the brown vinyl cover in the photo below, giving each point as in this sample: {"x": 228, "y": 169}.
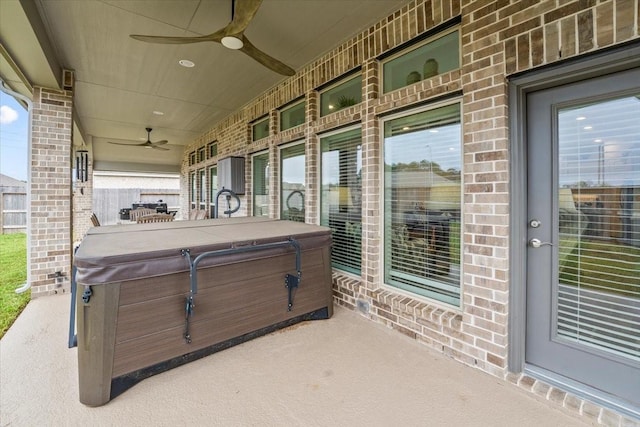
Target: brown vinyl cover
{"x": 122, "y": 253}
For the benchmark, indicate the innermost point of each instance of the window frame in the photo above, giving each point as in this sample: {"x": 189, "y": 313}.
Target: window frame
{"x": 337, "y": 266}
{"x": 212, "y": 194}
{"x": 416, "y": 45}
{"x": 409, "y": 289}
{"x": 281, "y": 175}
{"x": 212, "y": 149}
{"x": 341, "y": 82}
{"x": 287, "y": 108}
{"x": 257, "y": 123}
{"x": 267, "y": 183}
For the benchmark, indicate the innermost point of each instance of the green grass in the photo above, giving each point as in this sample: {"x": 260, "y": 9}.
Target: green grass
{"x": 13, "y": 273}
{"x": 600, "y": 265}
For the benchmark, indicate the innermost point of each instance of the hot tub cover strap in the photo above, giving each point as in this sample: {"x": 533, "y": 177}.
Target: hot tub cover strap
{"x": 291, "y": 281}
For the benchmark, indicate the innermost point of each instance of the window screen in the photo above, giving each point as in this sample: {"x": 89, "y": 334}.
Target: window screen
{"x": 341, "y": 197}
{"x": 422, "y": 199}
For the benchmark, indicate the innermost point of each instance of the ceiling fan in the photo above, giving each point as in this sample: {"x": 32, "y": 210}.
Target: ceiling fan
{"x": 155, "y": 145}
{"x": 232, "y": 36}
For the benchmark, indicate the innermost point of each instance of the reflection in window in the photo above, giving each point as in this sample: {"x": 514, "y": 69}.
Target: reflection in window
{"x": 260, "y": 129}
{"x": 292, "y": 116}
{"x": 422, "y": 197}
{"x": 599, "y": 225}
{"x": 261, "y": 184}
{"x": 438, "y": 55}
{"x": 292, "y": 183}
{"x": 341, "y": 208}
{"x": 341, "y": 96}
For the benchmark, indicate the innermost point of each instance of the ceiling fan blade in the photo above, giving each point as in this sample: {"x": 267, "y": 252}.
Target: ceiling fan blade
{"x": 213, "y": 37}
{"x": 264, "y": 59}
{"x": 164, "y": 141}
{"x": 159, "y": 148}
{"x": 128, "y": 145}
{"x": 243, "y": 13}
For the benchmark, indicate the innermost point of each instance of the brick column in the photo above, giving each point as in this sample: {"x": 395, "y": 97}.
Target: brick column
{"x": 50, "y": 182}
{"x": 312, "y": 173}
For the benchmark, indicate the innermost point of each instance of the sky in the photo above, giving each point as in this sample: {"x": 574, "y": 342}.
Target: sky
{"x": 13, "y": 138}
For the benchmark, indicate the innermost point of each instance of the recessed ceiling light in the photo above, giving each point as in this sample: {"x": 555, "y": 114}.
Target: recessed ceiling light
{"x": 186, "y": 63}
{"x": 580, "y": 118}
{"x": 589, "y": 127}
{"x": 406, "y": 128}
{"x": 434, "y": 131}
{"x": 158, "y": 113}
{"x": 597, "y": 140}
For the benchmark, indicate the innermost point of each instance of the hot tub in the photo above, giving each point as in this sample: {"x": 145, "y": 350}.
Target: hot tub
{"x": 151, "y": 297}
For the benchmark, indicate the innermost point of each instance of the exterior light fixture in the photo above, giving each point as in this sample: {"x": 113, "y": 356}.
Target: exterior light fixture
{"x": 82, "y": 165}
{"x": 186, "y": 63}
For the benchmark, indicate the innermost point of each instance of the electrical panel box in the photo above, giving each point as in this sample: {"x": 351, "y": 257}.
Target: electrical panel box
{"x": 231, "y": 174}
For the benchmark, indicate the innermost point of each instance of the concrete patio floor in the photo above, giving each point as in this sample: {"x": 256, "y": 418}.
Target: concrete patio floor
{"x": 345, "y": 371}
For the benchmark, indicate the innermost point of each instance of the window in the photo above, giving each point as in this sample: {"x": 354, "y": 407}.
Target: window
{"x": 341, "y": 96}
{"x": 213, "y": 149}
{"x": 192, "y": 158}
{"x": 261, "y": 184}
{"x": 202, "y": 177}
{"x": 194, "y": 189}
{"x": 341, "y": 197}
{"x": 422, "y": 199}
{"x": 202, "y": 154}
{"x": 260, "y": 129}
{"x": 292, "y": 183}
{"x": 292, "y": 116}
{"x": 438, "y": 55}
{"x": 213, "y": 189}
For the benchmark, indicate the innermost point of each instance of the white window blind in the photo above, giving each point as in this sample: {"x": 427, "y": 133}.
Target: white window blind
{"x": 422, "y": 199}
{"x": 261, "y": 184}
{"x": 341, "y": 197}
{"x": 598, "y": 301}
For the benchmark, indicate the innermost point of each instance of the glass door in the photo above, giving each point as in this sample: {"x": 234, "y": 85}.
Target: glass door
{"x": 583, "y": 256}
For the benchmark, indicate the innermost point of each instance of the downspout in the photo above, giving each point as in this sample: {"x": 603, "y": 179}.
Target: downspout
{"x": 8, "y": 91}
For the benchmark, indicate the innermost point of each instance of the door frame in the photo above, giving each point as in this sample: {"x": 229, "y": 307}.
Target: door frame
{"x": 606, "y": 61}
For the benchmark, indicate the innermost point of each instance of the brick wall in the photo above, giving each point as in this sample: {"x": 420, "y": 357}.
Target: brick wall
{"x": 50, "y": 180}
{"x": 498, "y": 38}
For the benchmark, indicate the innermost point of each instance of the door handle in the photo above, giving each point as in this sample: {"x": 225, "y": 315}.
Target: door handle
{"x": 536, "y": 243}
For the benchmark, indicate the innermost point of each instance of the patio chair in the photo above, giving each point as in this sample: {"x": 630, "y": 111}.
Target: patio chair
{"x": 137, "y": 213}
{"x": 158, "y": 217}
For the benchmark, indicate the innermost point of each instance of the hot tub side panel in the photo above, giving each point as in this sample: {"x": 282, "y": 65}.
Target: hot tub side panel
{"x": 238, "y": 300}
{"x": 96, "y": 319}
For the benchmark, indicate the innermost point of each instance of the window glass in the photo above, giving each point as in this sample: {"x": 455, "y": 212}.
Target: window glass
{"x": 213, "y": 149}
{"x": 192, "y": 158}
{"x": 202, "y": 176}
{"x": 341, "y": 96}
{"x": 422, "y": 199}
{"x": 202, "y": 154}
{"x": 438, "y": 55}
{"x": 261, "y": 184}
{"x": 292, "y": 184}
{"x": 341, "y": 197}
{"x": 194, "y": 191}
{"x": 260, "y": 129}
{"x": 213, "y": 180}
{"x": 292, "y": 116}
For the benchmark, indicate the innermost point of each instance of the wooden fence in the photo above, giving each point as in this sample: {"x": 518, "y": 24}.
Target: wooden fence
{"x": 13, "y": 212}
